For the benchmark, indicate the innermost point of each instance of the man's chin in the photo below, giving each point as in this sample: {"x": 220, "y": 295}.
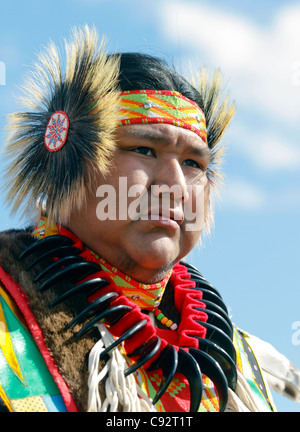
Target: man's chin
{"x": 160, "y": 260}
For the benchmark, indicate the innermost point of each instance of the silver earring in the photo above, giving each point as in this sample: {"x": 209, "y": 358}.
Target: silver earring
{"x": 41, "y": 204}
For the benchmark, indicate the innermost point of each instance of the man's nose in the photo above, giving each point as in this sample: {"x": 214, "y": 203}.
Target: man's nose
{"x": 170, "y": 179}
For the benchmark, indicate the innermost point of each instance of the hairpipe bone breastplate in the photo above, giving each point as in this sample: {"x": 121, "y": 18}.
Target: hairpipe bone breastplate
{"x": 214, "y": 355}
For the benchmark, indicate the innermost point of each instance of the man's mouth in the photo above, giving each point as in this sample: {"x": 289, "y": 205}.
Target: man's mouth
{"x": 167, "y": 217}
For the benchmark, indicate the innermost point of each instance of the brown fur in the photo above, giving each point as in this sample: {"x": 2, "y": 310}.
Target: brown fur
{"x": 71, "y": 355}
{"x": 74, "y": 80}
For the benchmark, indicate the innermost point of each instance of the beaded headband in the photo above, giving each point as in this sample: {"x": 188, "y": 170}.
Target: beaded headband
{"x": 139, "y": 107}
{"x": 154, "y": 106}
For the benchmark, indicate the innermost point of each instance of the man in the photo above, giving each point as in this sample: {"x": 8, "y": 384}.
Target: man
{"x": 99, "y": 311}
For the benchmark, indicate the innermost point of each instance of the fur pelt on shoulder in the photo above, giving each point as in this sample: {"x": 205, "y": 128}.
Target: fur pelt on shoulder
{"x": 70, "y": 354}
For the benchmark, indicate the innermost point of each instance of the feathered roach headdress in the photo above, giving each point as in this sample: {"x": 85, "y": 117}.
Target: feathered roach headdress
{"x": 67, "y": 133}
{"x": 218, "y": 111}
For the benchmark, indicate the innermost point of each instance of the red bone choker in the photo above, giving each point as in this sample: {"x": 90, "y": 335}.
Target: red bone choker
{"x": 202, "y": 342}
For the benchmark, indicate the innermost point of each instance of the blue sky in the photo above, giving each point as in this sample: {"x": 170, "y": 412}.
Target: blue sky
{"x": 252, "y": 256}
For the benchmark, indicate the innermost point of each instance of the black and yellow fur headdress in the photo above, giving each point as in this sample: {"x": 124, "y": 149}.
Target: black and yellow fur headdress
{"x": 76, "y": 87}
{"x": 65, "y": 95}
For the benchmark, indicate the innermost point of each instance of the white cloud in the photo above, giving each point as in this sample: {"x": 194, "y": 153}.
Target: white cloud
{"x": 261, "y": 61}
{"x": 241, "y": 194}
{"x": 277, "y": 155}
{"x": 265, "y": 149}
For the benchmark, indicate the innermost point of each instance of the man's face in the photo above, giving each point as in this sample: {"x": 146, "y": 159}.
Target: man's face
{"x": 142, "y": 218}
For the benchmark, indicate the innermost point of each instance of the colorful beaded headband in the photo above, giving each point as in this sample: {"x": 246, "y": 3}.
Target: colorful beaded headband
{"x": 152, "y": 106}
{"x": 139, "y": 107}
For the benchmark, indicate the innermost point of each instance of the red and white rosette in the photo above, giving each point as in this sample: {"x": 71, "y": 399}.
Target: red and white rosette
{"x": 57, "y": 131}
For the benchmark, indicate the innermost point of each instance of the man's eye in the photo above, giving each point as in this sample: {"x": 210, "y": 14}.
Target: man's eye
{"x": 192, "y": 163}
{"x": 147, "y": 151}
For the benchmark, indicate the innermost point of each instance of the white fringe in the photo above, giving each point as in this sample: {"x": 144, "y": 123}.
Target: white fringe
{"x": 121, "y": 393}
{"x": 280, "y": 373}
{"x": 124, "y": 394}
{"x": 242, "y": 399}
